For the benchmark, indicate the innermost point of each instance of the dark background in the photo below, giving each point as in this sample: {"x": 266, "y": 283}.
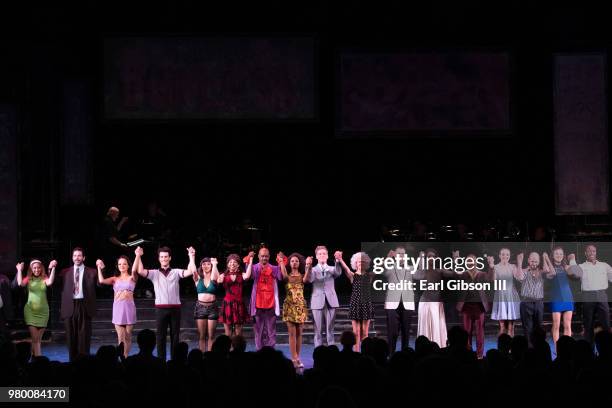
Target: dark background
{"x": 315, "y": 187}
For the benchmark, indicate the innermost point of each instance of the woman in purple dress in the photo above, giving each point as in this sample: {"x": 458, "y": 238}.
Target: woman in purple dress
{"x": 124, "y": 309}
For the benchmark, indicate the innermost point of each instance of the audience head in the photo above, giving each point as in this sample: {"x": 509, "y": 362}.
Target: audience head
{"x": 457, "y": 338}
{"x": 146, "y": 341}
{"x": 503, "y": 343}
{"x": 181, "y": 349}
{"x": 565, "y": 347}
{"x": 239, "y": 344}
{"x": 222, "y": 344}
{"x": 518, "y": 347}
{"x": 348, "y": 340}
{"x": 194, "y": 357}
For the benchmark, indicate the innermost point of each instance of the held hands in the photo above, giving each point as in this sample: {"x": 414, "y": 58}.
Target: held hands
{"x": 519, "y": 259}
{"x": 213, "y": 261}
{"x": 491, "y": 261}
{"x": 139, "y": 251}
{"x": 100, "y": 264}
{"x": 52, "y": 264}
{"x": 249, "y": 258}
{"x": 191, "y": 252}
{"x": 456, "y": 253}
{"x": 20, "y": 266}
{"x": 281, "y": 259}
{"x": 309, "y": 262}
{"x": 571, "y": 257}
{"x": 338, "y": 255}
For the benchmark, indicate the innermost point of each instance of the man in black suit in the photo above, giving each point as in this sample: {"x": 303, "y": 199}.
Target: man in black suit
{"x": 78, "y": 306}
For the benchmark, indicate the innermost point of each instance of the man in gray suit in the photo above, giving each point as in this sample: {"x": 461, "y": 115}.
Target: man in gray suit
{"x": 324, "y": 300}
{"x": 399, "y": 304}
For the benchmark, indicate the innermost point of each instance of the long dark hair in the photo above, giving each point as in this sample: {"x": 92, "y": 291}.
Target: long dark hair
{"x": 200, "y": 271}
{"x": 117, "y": 272}
{"x": 300, "y": 257}
{"x": 564, "y": 262}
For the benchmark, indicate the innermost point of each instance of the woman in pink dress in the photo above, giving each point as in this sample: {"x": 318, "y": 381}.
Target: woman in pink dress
{"x": 124, "y": 309}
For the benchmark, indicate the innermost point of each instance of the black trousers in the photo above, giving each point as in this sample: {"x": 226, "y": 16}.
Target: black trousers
{"x": 78, "y": 330}
{"x": 532, "y": 314}
{"x": 591, "y": 311}
{"x": 398, "y": 325}
{"x": 167, "y": 317}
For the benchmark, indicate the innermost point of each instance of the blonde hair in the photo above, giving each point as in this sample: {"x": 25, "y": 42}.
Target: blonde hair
{"x": 320, "y": 247}
{"x": 43, "y": 274}
{"x": 364, "y": 257}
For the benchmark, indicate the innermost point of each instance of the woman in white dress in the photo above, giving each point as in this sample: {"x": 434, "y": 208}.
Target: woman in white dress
{"x": 432, "y": 320}
{"x": 506, "y": 301}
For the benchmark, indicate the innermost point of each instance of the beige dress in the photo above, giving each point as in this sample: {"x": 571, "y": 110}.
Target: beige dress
{"x": 431, "y": 318}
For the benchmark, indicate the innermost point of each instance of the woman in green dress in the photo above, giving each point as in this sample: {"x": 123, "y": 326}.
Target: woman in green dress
{"x": 36, "y": 310}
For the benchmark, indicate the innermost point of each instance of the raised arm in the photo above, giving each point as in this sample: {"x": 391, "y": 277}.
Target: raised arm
{"x": 519, "y": 272}
{"x": 337, "y": 265}
{"x": 249, "y": 269}
{"x": 548, "y": 267}
{"x": 101, "y": 280}
{"x": 191, "y": 268}
{"x": 491, "y": 261}
{"x": 20, "y": 274}
{"x": 214, "y": 275}
{"x": 449, "y": 272}
{"x": 419, "y": 272}
{"x": 138, "y": 267}
{"x": 308, "y": 269}
{"x": 573, "y": 268}
{"x": 51, "y": 277}
{"x": 282, "y": 266}
{"x": 347, "y": 271}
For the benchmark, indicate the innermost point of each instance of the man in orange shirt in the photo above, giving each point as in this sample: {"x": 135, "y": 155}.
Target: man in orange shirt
{"x": 264, "y": 298}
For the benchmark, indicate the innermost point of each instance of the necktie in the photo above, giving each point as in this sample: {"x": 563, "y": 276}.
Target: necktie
{"x": 323, "y": 271}
{"x": 77, "y": 272}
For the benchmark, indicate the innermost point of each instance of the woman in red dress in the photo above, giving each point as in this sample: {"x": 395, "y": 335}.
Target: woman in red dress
{"x": 233, "y": 311}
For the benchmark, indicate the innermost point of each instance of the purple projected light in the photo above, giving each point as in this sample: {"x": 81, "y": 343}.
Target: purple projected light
{"x": 425, "y": 92}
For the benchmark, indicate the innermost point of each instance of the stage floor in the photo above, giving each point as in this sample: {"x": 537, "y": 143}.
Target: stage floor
{"x": 58, "y": 352}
